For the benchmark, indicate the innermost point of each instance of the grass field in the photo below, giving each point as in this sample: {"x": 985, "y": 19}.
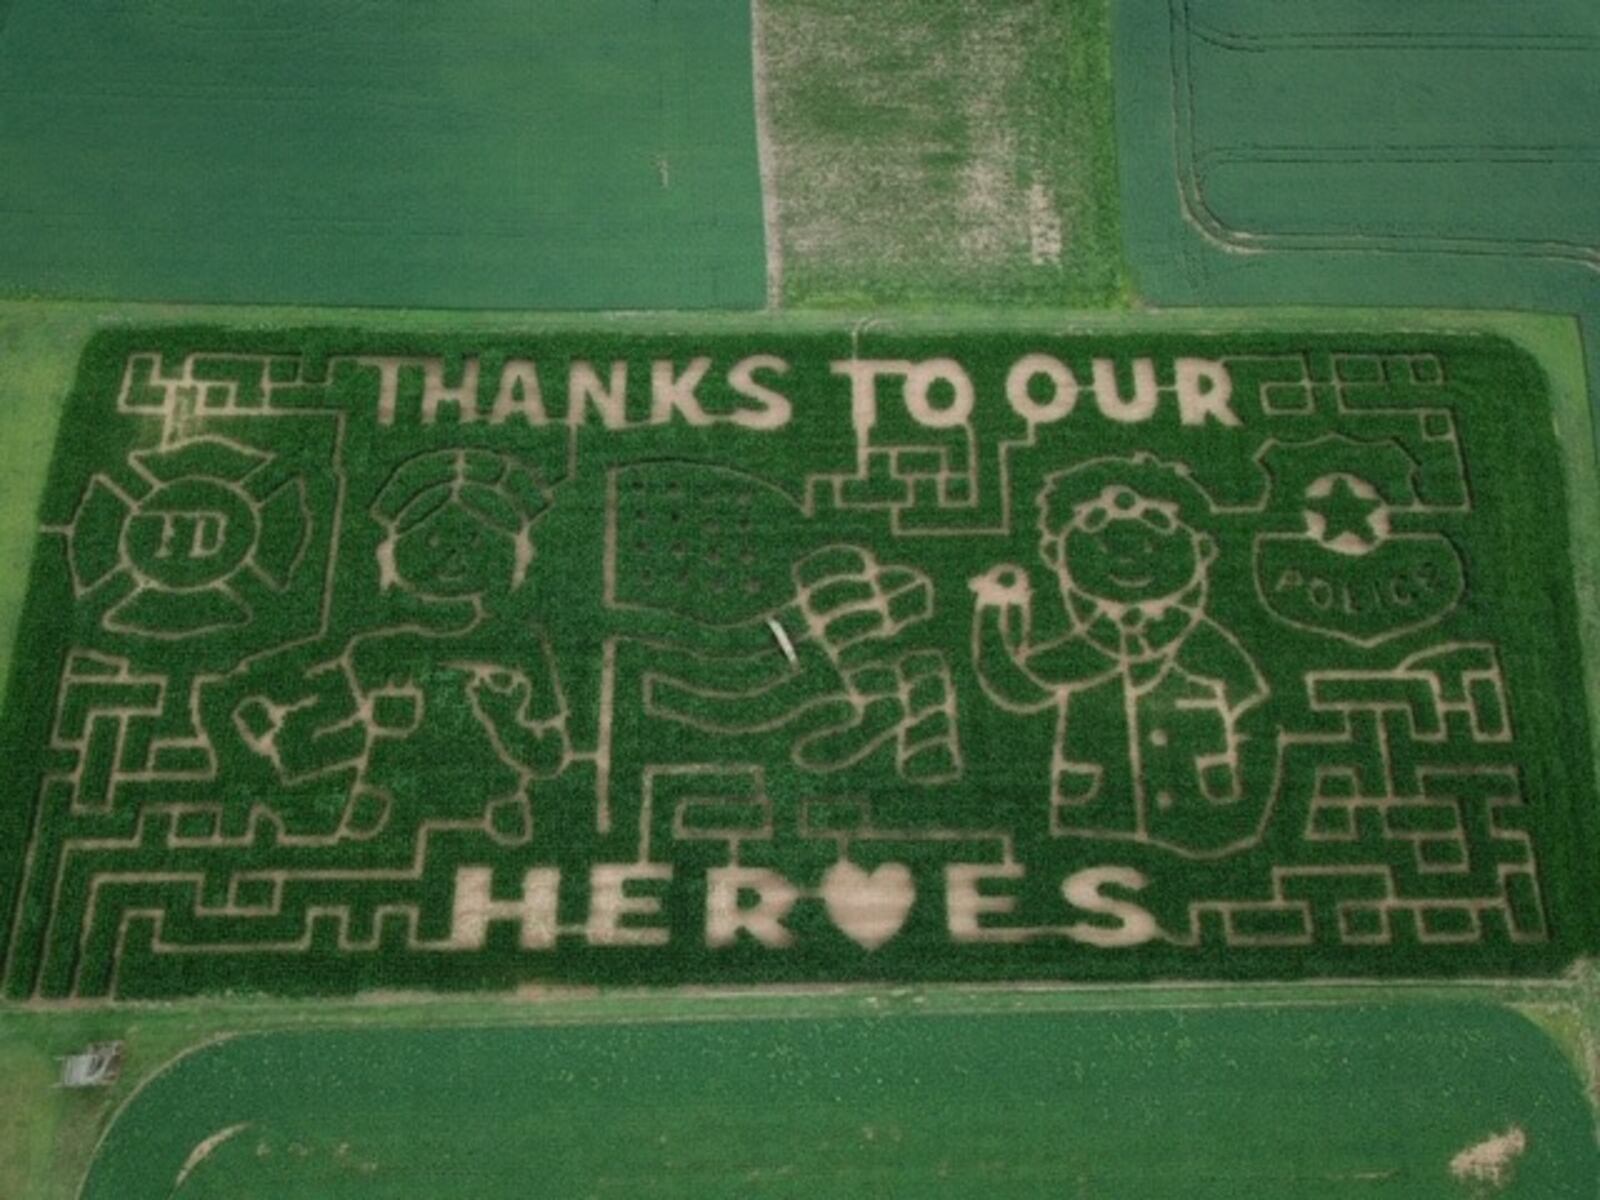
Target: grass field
{"x": 1156, "y": 1103}
{"x": 486, "y": 154}
{"x": 580, "y": 156}
{"x": 1449, "y": 1068}
{"x": 937, "y": 153}
{"x": 1421, "y": 154}
{"x": 1455, "y": 161}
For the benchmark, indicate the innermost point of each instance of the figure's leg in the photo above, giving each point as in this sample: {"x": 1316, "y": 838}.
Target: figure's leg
{"x": 1208, "y": 781}
{"x": 928, "y": 749}
{"x": 1093, "y": 790}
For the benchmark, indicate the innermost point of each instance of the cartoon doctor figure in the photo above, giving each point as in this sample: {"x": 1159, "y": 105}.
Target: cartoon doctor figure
{"x": 1151, "y": 694}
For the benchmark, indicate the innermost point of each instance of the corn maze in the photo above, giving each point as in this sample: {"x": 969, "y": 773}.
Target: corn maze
{"x": 361, "y": 661}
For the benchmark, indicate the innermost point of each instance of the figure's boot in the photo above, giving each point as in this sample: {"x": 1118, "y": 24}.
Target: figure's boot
{"x": 509, "y": 820}
{"x": 928, "y": 750}
{"x": 366, "y": 813}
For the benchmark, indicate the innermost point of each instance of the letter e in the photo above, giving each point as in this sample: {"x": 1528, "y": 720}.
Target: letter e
{"x": 609, "y": 903}
{"x": 965, "y": 905}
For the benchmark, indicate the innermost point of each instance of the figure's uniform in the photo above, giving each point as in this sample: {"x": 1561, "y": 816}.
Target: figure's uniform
{"x": 1147, "y": 744}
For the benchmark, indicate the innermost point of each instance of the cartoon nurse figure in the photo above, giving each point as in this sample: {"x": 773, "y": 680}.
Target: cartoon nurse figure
{"x": 453, "y": 707}
{"x": 1151, "y": 694}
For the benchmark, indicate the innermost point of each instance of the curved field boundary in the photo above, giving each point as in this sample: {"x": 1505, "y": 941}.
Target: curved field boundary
{"x": 1409, "y": 201}
{"x": 1196, "y": 1102}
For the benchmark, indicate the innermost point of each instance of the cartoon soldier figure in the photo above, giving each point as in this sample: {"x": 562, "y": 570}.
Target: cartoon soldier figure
{"x": 1150, "y": 692}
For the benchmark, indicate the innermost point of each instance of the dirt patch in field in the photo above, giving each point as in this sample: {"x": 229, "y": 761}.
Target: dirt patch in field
{"x": 1492, "y": 1160}
{"x": 939, "y": 150}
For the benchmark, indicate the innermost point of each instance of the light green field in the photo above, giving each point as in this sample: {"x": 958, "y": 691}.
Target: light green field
{"x": 1410, "y": 154}
{"x": 1334, "y": 1092}
{"x": 1483, "y": 144}
{"x": 596, "y": 156}
{"x": 1333, "y": 1103}
{"x": 483, "y": 154}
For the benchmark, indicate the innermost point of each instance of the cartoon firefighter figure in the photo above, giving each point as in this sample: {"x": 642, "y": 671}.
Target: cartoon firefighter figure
{"x": 1154, "y": 699}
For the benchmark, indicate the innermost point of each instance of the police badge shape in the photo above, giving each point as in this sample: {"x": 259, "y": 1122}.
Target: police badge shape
{"x": 1363, "y": 567}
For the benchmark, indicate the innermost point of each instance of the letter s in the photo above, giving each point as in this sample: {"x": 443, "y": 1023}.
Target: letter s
{"x": 1134, "y": 925}
{"x": 774, "y": 409}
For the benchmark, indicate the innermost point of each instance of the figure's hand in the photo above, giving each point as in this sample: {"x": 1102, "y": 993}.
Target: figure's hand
{"x": 1004, "y": 586}
{"x": 314, "y": 733}
{"x": 503, "y": 695}
{"x": 503, "y": 700}
{"x": 258, "y": 721}
{"x": 847, "y": 598}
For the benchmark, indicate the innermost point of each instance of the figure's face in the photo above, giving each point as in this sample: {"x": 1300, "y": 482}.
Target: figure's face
{"x": 453, "y": 553}
{"x": 1130, "y": 551}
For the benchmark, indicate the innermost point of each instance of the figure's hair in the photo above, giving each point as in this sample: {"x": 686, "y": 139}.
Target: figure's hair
{"x": 1141, "y": 484}
{"x": 494, "y": 488}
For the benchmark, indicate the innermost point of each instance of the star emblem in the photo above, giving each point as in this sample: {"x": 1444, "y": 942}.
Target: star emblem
{"x": 1345, "y": 514}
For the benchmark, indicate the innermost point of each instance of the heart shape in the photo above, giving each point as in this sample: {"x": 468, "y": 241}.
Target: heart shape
{"x": 869, "y": 907}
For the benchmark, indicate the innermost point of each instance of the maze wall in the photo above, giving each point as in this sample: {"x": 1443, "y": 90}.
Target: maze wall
{"x": 354, "y": 660}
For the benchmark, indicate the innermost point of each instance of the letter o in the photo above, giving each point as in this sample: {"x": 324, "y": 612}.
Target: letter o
{"x": 1022, "y": 374}
{"x": 922, "y": 376}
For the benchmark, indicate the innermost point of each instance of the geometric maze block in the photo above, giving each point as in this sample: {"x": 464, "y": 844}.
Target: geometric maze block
{"x": 1417, "y": 790}
{"x": 106, "y": 724}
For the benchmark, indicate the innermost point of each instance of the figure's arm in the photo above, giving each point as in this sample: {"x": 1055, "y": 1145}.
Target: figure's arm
{"x": 999, "y": 640}
{"x": 1210, "y": 652}
{"x": 310, "y": 734}
{"x": 1072, "y": 661}
{"x": 539, "y": 746}
{"x": 853, "y": 605}
{"x": 525, "y": 713}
